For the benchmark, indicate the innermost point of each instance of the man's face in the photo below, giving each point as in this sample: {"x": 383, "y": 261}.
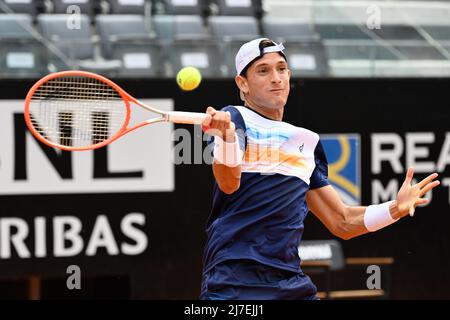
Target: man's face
{"x": 267, "y": 82}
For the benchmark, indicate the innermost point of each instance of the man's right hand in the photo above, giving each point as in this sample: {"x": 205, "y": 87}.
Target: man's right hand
{"x": 219, "y": 124}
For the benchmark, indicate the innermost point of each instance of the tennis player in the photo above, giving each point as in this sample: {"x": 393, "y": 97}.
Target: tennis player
{"x": 268, "y": 175}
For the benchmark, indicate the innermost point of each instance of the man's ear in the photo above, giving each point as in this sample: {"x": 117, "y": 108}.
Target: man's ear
{"x": 242, "y": 83}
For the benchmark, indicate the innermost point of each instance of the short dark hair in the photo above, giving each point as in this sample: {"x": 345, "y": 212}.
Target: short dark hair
{"x": 263, "y": 44}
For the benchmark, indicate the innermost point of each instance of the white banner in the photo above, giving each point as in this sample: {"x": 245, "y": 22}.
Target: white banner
{"x": 140, "y": 161}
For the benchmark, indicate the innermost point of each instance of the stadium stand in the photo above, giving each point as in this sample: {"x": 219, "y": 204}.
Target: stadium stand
{"x": 22, "y": 6}
{"x": 128, "y": 6}
{"x": 203, "y": 55}
{"x": 304, "y": 49}
{"x": 180, "y": 7}
{"x": 228, "y": 32}
{"x": 20, "y": 53}
{"x": 128, "y": 38}
{"x": 238, "y": 7}
{"x": 73, "y": 7}
{"x": 179, "y": 27}
{"x": 71, "y": 46}
{"x": 321, "y": 38}
{"x": 355, "y": 46}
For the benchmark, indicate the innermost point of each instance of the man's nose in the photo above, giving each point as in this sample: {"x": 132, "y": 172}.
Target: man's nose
{"x": 275, "y": 77}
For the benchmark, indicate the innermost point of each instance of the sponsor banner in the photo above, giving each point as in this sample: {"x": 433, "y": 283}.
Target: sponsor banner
{"x": 344, "y": 165}
{"x": 69, "y": 236}
{"x": 140, "y": 161}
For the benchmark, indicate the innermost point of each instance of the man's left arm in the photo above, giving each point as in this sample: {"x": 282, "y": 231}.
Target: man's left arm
{"x": 348, "y": 222}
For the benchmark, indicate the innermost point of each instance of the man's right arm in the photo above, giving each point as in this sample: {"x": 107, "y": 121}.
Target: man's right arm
{"x": 227, "y": 154}
{"x": 228, "y": 178}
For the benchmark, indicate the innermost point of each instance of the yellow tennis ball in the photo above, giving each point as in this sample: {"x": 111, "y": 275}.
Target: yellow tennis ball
{"x": 189, "y": 78}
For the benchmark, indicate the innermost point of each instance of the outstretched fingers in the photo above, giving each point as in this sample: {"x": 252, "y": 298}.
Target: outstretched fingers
{"x": 427, "y": 180}
{"x": 422, "y": 201}
{"x": 429, "y": 187}
{"x": 425, "y": 186}
{"x": 409, "y": 176}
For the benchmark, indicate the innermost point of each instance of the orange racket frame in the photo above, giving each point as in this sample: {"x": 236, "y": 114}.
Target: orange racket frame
{"x": 172, "y": 116}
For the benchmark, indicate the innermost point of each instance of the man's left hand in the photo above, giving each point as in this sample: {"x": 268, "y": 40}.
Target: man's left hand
{"x": 410, "y": 196}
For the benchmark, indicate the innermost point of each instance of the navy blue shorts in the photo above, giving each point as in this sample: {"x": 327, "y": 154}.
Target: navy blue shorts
{"x": 250, "y": 280}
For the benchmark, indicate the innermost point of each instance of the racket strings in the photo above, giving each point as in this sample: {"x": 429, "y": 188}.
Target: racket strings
{"x": 77, "y": 111}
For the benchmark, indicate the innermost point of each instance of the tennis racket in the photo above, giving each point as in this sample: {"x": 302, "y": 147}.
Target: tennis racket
{"x": 78, "y": 110}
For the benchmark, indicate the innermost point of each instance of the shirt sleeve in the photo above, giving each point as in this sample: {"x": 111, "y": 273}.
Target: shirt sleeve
{"x": 319, "y": 177}
{"x": 239, "y": 123}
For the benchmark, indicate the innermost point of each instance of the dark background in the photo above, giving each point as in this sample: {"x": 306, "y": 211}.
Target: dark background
{"x": 171, "y": 267}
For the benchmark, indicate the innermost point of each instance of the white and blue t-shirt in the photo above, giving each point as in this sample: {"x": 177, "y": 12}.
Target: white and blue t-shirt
{"x": 263, "y": 219}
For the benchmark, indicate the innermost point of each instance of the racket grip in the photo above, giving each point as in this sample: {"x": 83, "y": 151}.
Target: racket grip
{"x": 186, "y": 117}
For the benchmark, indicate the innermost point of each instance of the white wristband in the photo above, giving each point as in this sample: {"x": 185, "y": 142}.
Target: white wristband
{"x": 378, "y": 216}
{"x": 227, "y": 153}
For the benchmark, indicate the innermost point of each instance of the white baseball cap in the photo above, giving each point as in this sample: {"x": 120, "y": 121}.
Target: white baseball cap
{"x": 252, "y": 50}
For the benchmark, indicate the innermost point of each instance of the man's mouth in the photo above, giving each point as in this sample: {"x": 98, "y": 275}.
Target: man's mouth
{"x": 276, "y": 90}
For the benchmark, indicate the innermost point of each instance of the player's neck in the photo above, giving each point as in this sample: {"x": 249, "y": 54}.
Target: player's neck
{"x": 273, "y": 114}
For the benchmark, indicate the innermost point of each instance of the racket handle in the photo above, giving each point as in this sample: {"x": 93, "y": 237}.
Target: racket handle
{"x": 186, "y": 117}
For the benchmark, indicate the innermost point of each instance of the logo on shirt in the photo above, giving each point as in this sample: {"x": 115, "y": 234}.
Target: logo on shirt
{"x": 344, "y": 165}
{"x": 301, "y": 147}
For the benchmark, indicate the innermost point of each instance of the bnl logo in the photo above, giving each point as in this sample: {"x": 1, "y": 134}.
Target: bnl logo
{"x": 344, "y": 165}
